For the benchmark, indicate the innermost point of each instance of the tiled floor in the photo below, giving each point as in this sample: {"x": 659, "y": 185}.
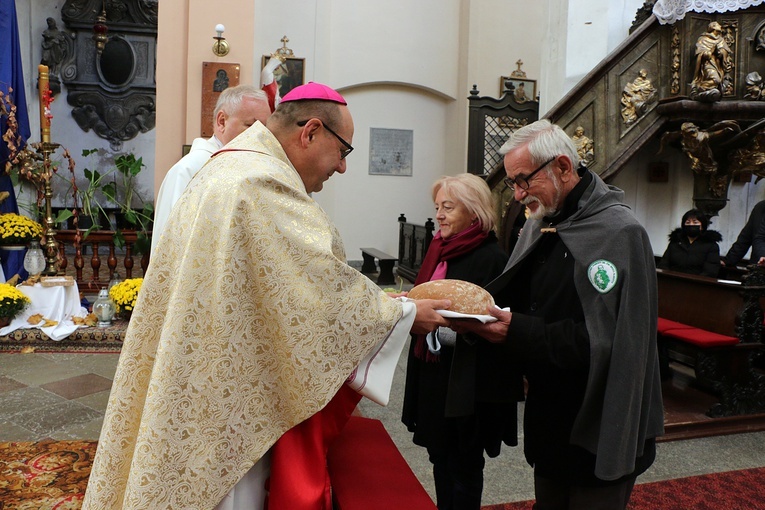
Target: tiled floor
{"x": 57, "y": 396}
{"x": 63, "y": 396}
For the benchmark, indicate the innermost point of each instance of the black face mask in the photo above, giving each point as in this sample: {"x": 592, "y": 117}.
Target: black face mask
{"x": 692, "y": 230}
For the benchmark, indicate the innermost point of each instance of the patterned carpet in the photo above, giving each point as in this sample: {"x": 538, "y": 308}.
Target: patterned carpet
{"x": 732, "y": 490}
{"x": 85, "y": 340}
{"x": 46, "y": 475}
{"x": 53, "y": 475}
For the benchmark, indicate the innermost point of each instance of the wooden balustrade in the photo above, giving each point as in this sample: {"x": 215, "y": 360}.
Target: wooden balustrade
{"x": 92, "y": 281}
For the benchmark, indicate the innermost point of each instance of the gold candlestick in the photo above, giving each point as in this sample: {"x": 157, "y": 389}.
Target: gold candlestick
{"x": 44, "y": 92}
{"x": 51, "y": 247}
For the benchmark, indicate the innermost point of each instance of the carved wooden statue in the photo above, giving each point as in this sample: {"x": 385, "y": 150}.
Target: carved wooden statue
{"x": 708, "y": 158}
{"x": 714, "y": 62}
{"x": 585, "y": 147}
{"x": 636, "y": 97}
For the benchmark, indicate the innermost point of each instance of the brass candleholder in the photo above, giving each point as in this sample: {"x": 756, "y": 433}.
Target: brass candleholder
{"x": 51, "y": 247}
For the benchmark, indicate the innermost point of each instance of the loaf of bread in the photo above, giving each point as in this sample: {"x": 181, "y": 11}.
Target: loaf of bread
{"x": 466, "y": 297}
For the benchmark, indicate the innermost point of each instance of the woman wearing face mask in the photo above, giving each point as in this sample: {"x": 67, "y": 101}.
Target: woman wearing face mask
{"x": 692, "y": 248}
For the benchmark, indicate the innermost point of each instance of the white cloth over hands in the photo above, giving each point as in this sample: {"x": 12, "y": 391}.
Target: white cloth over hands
{"x": 374, "y": 376}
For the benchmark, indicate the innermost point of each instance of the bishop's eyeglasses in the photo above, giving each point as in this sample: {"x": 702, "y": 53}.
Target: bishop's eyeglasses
{"x": 343, "y": 152}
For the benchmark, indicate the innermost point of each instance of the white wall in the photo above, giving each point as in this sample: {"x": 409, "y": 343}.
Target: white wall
{"x": 365, "y": 207}
{"x": 401, "y": 65}
{"x": 579, "y": 34}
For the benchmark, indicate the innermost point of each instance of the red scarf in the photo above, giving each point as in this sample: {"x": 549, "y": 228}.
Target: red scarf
{"x": 441, "y": 250}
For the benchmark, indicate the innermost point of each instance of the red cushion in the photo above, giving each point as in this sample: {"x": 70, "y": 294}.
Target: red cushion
{"x": 665, "y": 325}
{"x": 367, "y": 472}
{"x": 701, "y": 337}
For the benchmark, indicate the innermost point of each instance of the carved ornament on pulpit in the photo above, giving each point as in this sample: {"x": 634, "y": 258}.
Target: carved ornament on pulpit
{"x": 112, "y": 92}
{"x": 716, "y": 115}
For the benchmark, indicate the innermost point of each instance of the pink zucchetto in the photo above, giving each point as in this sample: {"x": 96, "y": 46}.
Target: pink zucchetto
{"x": 315, "y": 92}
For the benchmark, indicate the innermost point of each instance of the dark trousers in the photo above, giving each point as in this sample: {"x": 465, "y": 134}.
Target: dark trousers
{"x": 553, "y": 495}
{"x": 458, "y": 466}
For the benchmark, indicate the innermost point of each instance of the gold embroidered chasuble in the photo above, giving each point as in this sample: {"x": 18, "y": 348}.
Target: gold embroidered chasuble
{"x": 249, "y": 320}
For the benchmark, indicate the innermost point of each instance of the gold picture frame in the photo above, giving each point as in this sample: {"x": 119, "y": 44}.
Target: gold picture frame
{"x": 524, "y": 90}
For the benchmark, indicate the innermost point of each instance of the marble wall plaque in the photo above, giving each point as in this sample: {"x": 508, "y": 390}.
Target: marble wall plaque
{"x": 390, "y": 151}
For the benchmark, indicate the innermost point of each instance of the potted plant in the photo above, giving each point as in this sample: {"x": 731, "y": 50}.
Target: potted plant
{"x": 93, "y": 215}
{"x": 130, "y": 218}
{"x": 125, "y": 294}
{"x": 118, "y": 185}
{"x": 18, "y": 230}
{"x": 12, "y": 302}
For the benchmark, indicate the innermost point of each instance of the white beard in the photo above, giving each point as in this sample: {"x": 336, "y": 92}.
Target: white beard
{"x": 542, "y": 209}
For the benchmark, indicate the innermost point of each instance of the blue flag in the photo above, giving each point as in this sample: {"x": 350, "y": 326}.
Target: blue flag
{"x": 11, "y": 76}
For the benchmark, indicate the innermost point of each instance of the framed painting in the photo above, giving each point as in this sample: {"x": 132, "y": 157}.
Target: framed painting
{"x": 525, "y": 90}
{"x": 289, "y": 75}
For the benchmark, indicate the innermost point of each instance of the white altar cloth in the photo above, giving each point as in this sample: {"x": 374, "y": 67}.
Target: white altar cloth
{"x": 55, "y": 303}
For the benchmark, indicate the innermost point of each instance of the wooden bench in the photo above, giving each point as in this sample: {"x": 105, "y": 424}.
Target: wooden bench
{"x": 413, "y": 243}
{"x": 716, "y": 328}
{"x": 386, "y": 265}
{"x": 367, "y": 472}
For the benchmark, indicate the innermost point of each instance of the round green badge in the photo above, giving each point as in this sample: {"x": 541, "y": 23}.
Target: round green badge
{"x": 602, "y": 275}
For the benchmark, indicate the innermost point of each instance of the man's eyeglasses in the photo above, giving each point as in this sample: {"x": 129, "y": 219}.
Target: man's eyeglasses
{"x": 343, "y": 152}
{"x": 523, "y": 182}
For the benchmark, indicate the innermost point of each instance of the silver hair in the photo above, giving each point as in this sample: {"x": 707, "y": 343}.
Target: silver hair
{"x": 231, "y": 99}
{"x": 474, "y": 194}
{"x": 544, "y": 140}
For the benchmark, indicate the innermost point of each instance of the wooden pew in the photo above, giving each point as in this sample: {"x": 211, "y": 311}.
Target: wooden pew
{"x": 716, "y": 327}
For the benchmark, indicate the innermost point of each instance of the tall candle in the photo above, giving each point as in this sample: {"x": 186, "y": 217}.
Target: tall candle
{"x": 44, "y": 105}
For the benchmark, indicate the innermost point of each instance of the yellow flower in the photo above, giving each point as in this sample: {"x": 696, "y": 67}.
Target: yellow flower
{"x": 18, "y": 229}
{"x": 125, "y": 293}
{"x": 12, "y": 300}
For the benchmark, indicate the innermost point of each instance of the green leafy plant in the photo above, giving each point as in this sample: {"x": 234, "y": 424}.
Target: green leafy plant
{"x": 118, "y": 186}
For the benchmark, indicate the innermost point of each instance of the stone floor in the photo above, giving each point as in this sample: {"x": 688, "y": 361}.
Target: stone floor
{"x": 63, "y": 396}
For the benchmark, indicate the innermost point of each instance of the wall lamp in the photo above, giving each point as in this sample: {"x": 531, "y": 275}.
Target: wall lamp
{"x": 220, "y": 48}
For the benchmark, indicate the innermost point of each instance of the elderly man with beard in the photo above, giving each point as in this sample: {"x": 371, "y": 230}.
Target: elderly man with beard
{"x": 581, "y": 287}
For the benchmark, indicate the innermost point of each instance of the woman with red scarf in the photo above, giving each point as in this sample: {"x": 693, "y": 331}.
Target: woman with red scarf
{"x": 458, "y": 401}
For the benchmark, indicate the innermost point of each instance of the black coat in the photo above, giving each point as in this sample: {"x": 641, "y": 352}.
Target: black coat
{"x": 701, "y": 257}
{"x": 753, "y": 234}
{"x": 471, "y": 380}
{"x": 758, "y": 243}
